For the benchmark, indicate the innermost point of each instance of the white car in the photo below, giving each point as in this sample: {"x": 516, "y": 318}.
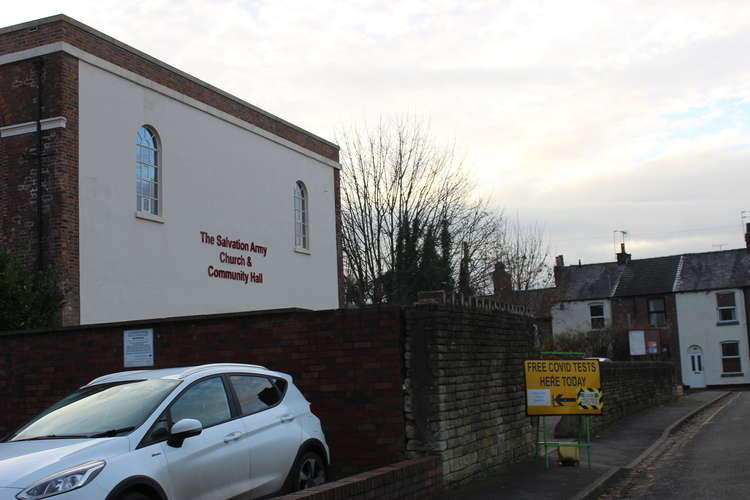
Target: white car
{"x": 221, "y": 431}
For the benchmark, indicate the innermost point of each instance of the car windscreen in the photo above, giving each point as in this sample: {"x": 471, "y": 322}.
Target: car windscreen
{"x": 102, "y": 410}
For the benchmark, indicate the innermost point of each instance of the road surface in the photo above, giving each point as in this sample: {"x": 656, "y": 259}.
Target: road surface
{"x": 707, "y": 458}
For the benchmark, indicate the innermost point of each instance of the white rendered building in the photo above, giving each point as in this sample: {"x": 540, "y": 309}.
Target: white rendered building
{"x": 161, "y": 195}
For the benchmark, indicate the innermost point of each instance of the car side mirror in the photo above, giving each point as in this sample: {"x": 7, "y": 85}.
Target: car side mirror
{"x": 183, "y": 429}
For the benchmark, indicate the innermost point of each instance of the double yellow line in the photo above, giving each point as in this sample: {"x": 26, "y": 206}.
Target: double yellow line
{"x": 729, "y": 401}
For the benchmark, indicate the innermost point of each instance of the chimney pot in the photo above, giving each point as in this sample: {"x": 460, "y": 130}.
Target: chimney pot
{"x": 622, "y": 257}
{"x": 747, "y": 236}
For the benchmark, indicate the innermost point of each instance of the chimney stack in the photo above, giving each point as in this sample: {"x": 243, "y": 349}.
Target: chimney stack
{"x": 502, "y": 283}
{"x": 747, "y": 236}
{"x": 622, "y": 257}
{"x": 559, "y": 264}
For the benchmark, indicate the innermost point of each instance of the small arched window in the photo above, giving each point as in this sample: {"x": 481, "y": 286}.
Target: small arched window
{"x": 148, "y": 172}
{"x": 301, "y": 237}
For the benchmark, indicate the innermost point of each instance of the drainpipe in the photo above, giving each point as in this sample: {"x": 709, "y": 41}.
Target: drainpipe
{"x": 39, "y": 65}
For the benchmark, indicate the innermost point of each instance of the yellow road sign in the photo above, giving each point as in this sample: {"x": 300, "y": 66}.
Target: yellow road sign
{"x": 563, "y": 387}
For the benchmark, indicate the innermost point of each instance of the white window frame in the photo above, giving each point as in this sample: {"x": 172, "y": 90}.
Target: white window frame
{"x": 301, "y": 207}
{"x": 149, "y": 206}
{"x": 603, "y": 317}
{"x": 737, "y": 357}
{"x": 732, "y": 308}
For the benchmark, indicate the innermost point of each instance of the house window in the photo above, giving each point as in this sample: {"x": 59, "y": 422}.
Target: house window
{"x": 730, "y": 357}
{"x": 657, "y": 315}
{"x": 301, "y": 238}
{"x": 597, "y": 316}
{"x": 726, "y": 307}
{"x": 147, "y": 172}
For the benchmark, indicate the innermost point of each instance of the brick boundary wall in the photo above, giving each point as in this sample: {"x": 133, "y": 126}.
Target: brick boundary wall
{"x": 412, "y": 479}
{"x": 465, "y": 396}
{"x": 629, "y": 387}
{"x": 348, "y": 363}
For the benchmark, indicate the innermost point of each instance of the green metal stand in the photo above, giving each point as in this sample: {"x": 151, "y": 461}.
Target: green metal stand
{"x": 584, "y": 433}
{"x": 584, "y": 440}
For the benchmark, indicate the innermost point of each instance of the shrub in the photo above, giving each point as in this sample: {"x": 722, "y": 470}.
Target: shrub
{"x": 28, "y": 298}
{"x": 599, "y": 344}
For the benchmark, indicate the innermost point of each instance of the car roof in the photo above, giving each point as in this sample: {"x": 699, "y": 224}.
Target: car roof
{"x": 181, "y": 373}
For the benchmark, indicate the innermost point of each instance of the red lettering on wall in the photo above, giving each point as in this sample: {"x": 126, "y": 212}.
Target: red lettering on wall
{"x": 235, "y": 259}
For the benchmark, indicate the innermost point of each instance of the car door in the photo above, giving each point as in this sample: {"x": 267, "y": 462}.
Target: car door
{"x": 216, "y": 463}
{"x": 272, "y": 432}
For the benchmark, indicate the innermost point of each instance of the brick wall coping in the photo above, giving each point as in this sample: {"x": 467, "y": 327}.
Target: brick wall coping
{"x": 480, "y": 305}
{"x": 103, "y": 38}
{"x": 635, "y": 365}
{"x": 155, "y": 321}
{"x": 188, "y": 319}
{"x": 359, "y": 485}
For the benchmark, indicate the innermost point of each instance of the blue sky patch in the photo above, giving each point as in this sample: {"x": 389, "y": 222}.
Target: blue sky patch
{"x": 704, "y": 120}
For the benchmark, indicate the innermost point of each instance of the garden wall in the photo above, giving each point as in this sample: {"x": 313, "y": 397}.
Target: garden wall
{"x": 389, "y": 383}
{"x": 465, "y": 397}
{"x": 629, "y": 387}
{"x": 411, "y": 479}
{"x": 348, "y": 363}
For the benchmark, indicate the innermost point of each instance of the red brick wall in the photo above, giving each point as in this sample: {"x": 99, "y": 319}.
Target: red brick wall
{"x": 18, "y": 170}
{"x": 416, "y": 478}
{"x": 632, "y": 313}
{"x": 348, "y": 363}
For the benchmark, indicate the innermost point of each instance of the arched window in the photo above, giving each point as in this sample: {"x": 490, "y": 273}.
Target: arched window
{"x": 301, "y": 238}
{"x": 148, "y": 172}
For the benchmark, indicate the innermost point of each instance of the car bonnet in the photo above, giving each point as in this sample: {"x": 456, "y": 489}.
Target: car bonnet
{"x": 22, "y": 463}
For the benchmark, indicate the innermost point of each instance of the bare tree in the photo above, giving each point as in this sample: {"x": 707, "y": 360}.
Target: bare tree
{"x": 396, "y": 174}
{"x": 525, "y": 252}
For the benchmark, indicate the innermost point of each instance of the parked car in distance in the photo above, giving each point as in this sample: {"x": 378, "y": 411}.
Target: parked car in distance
{"x": 207, "y": 432}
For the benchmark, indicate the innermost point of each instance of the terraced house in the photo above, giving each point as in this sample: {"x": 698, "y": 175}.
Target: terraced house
{"x": 690, "y": 308}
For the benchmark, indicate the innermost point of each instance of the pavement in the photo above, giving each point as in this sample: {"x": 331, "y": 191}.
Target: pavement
{"x": 618, "y": 447}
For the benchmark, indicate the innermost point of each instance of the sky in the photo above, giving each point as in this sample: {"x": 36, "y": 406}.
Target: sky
{"x": 584, "y": 117}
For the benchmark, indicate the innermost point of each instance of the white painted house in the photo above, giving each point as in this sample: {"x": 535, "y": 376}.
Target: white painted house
{"x": 711, "y": 296}
{"x": 584, "y": 302}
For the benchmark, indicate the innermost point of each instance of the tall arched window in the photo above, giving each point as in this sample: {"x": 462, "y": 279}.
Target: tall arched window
{"x": 301, "y": 238}
{"x": 147, "y": 172}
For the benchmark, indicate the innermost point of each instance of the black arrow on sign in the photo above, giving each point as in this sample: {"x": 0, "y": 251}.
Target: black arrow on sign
{"x": 560, "y": 400}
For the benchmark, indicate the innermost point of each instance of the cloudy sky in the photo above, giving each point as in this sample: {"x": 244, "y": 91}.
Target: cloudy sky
{"x": 585, "y": 117}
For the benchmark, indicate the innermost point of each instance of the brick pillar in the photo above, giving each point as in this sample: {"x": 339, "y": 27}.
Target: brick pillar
{"x": 19, "y": 171}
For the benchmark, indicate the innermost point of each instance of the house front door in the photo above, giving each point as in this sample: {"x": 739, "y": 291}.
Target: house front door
{"x": 695, "y": 378}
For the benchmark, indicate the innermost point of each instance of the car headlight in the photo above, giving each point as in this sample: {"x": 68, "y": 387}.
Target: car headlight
{"x": 66, "y": 480}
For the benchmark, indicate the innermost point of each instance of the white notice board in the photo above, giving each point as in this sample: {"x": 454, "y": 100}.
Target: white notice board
{"x": 138, "y": 347}
{"x": 637, "y": 343}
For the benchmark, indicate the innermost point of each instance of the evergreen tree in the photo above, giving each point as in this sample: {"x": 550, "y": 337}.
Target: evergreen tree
{"x": 429, "y": 266}
{"x": 445, "y": 270}
{"x": 464, "y": 278}
{"x": 402, "y": 282}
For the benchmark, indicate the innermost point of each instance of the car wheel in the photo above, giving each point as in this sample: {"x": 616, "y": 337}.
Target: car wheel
{"x": 310, "y": 471}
